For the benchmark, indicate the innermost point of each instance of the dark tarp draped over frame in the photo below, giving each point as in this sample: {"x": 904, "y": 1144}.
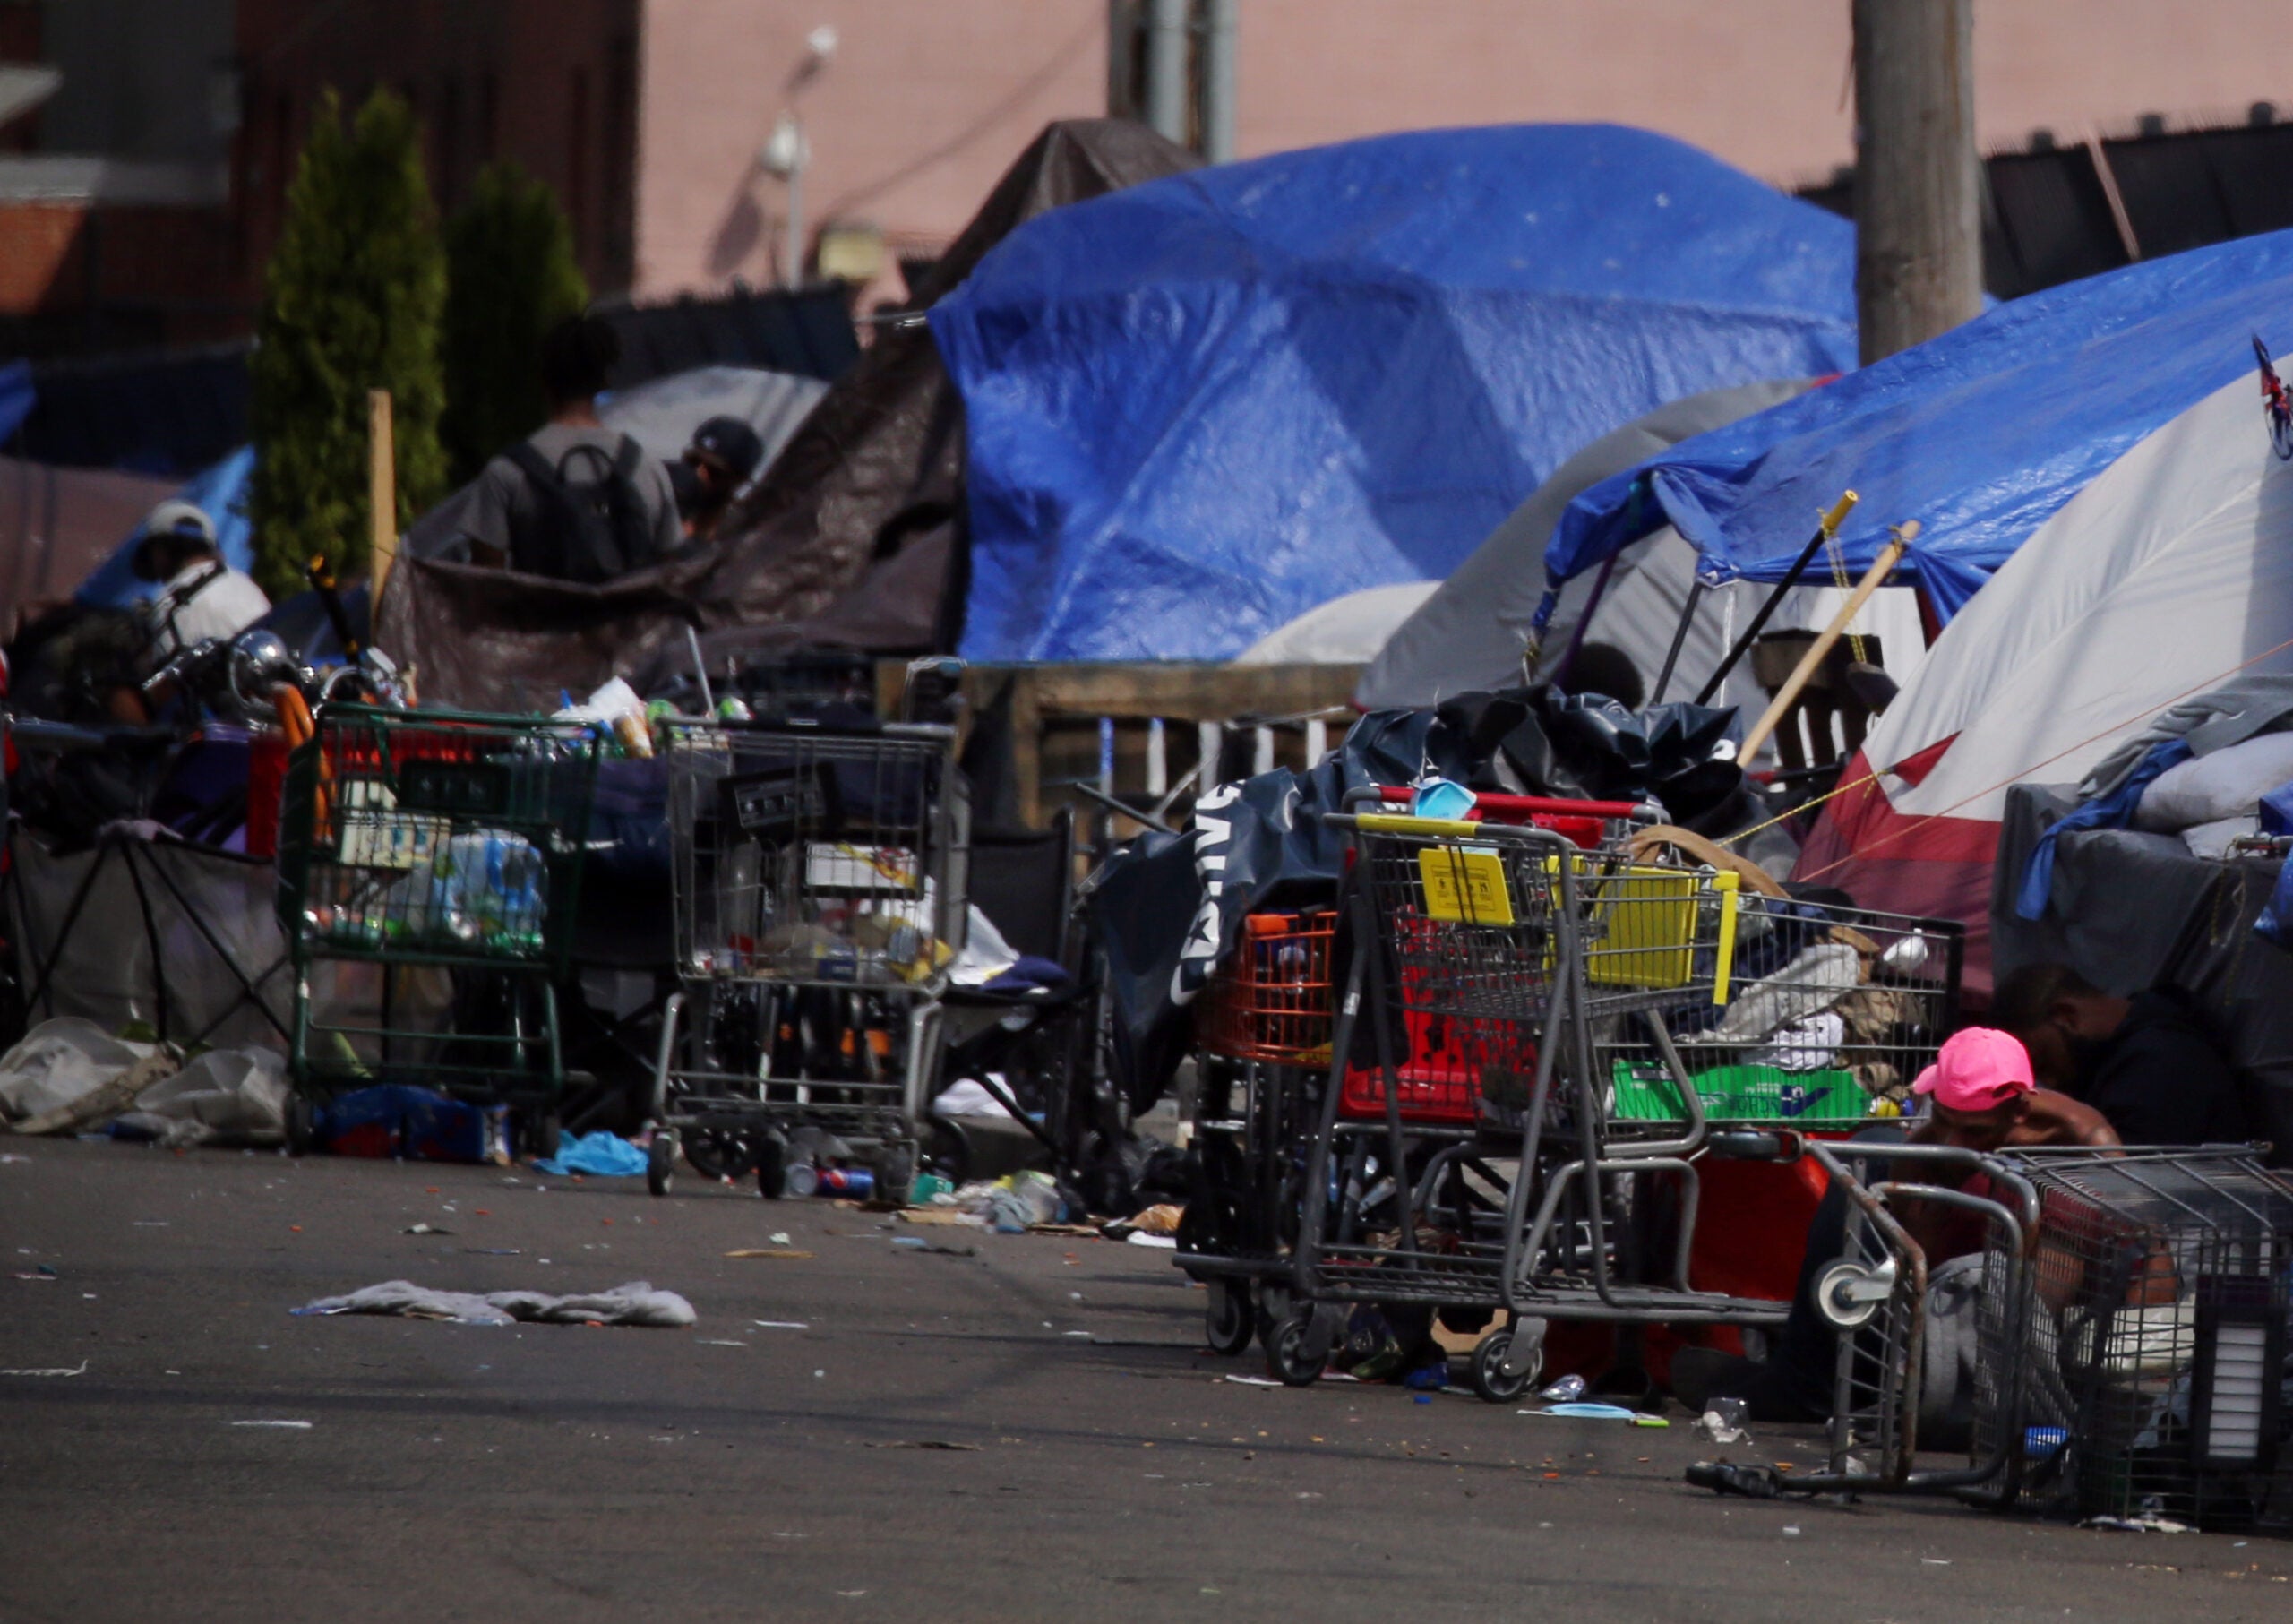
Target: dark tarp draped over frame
{"x": 848, "y": 540}
{"x": 2129, "y": 911}
{"x": 144, "y": 927}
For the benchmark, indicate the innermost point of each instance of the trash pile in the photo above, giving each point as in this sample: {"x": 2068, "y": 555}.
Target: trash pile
{"x": 69, "y": 1076}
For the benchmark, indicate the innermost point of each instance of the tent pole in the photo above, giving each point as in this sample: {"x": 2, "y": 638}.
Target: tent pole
{"x": 1577, "y": 637}
{"x": 1680, "y": 636}
{"x": 1827, "y": 527}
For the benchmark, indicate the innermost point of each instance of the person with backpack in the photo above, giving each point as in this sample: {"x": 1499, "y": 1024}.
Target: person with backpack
{"x": 574, "y": 501}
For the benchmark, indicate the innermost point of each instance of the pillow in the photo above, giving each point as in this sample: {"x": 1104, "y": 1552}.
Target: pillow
{"x": 2211, "y": 841}
{"x": 2227, "y": 783}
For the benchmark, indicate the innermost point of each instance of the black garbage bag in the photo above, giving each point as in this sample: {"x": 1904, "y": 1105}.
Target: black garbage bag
{"x": 1590, "y": 747}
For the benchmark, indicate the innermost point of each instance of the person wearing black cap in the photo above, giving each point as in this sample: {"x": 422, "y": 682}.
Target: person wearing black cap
{"x": 722, "y": 457}
{"x": 574, "y": 501}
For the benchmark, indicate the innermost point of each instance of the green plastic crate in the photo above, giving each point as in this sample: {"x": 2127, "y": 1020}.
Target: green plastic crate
{"x": 1646, "y": 1093}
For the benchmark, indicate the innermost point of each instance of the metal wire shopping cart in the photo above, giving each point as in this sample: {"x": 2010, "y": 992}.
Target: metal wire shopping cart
{"x": 439, "y": 842}
{"x": 1470, "y": 1156}
{"x": 2130, "y": 1315}
{"x": 1264, "y": 1050}
{"x": 821, "y": 887}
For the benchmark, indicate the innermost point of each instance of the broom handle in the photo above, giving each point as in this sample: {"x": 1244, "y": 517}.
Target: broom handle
{"x": 1889, "y": 556}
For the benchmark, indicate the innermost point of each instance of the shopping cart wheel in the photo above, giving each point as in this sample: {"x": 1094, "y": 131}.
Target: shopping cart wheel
{"x": 722, "y": 1154}
{"x": 772, "y": 1167}
{"x": 302, "y": 1125}
{"x": 1849, "y": 1291}
{"x": 1272, "y": 1309}
{"x": 1491, "y": 1377}
{"x": 1294, "y": 1355}
{"x": 1227, "y": 1320}
{"x": 660, "y": 1161}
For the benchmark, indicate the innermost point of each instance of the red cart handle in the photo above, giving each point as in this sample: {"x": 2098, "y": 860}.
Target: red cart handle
{"x": 1524, "y": 805}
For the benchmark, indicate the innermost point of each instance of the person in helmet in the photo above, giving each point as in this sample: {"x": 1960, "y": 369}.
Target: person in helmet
{"x": 201, "y": 596}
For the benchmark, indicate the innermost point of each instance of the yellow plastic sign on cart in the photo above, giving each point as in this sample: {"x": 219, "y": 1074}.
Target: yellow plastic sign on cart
{"x": 1466, "y": 884}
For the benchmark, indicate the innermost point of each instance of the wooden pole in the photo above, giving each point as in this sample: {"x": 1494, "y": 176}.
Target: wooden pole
{"x": 1873, "y": 579}
{"x": 1917, "y": 198}
{"x": 381, "y": 492}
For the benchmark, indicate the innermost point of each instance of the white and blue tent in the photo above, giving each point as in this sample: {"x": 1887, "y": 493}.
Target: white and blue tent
{"x": 2106, "y": 529}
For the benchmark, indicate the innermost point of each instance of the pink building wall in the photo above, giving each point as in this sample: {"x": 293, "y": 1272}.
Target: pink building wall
{"x": 927, "y": 100}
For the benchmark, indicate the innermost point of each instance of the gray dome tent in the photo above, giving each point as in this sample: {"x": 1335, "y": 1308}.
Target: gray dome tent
{"x": 1470, "y": 633}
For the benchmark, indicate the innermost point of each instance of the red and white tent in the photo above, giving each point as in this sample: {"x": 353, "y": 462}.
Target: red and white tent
{"x": 2170, "y": 574}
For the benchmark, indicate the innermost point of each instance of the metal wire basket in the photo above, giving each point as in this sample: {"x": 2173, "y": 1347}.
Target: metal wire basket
{"x": 435, "y": 837}
{"x": 2142, "y": 1370}
{"x": 812, "y": 856}
{"x": 1270, "y": 999}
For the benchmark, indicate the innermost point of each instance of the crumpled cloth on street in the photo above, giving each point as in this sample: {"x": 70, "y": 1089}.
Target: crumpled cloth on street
{"x": 635, "y": 1303}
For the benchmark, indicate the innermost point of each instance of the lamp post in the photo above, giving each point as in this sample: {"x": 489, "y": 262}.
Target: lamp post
{"x": 787, "y": 152}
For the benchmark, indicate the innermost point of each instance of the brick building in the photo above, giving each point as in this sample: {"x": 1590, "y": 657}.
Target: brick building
{"x": 138, "y": 199}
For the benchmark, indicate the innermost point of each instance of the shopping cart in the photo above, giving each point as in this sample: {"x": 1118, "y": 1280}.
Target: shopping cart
{"x": 1546, "y": 1021}
{"x": 1263, "y": 1038}
{"x": 430, "y": 866}
{"x": 821, "y": 885}
{"x": 2130, "y": 1331}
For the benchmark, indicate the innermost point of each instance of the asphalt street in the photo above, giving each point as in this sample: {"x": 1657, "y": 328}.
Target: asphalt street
{"x": 984, "y": 1427}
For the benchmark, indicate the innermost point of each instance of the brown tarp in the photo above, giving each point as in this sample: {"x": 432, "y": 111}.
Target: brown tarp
{"x": 58, "y": 524}
{"x": 848, "y": 541}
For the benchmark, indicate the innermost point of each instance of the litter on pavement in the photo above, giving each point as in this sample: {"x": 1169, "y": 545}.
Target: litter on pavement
{"x": 635, "y": 1303}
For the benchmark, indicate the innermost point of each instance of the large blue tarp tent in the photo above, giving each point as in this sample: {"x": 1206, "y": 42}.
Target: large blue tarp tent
{"x": 1978, "y": 435}
{"x": 1200, "y": 406}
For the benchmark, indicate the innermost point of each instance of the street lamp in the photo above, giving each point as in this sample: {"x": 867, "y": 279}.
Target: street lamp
{"x": 786, "y": 153}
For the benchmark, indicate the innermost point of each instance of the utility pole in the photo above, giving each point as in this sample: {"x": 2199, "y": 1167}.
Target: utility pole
{"x": 1166, "y": 68}
{"x": 1221, "y": 21}
{"x": 1918, "y": 212}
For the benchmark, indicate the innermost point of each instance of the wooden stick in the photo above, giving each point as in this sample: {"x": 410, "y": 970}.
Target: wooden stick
{"x": 1881, "y": 567}
{"x": 381, "y": 492}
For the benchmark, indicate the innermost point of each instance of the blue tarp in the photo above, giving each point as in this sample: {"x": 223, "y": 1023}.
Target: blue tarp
{"x": 1980, "y": 434}
{"x": 222, "y": 491}
{"x": 1202, "y": 406}
{"x": 17, "y": 397}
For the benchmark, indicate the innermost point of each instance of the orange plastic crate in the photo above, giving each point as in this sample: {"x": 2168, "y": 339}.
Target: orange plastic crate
{"x": 1271, "y": 1000}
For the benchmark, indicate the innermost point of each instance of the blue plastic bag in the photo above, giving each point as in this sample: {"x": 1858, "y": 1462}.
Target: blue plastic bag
{"x": 599, "y": 1155}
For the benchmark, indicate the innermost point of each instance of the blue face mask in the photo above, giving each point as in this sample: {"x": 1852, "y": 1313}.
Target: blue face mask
{"x": 1441, "y": 798}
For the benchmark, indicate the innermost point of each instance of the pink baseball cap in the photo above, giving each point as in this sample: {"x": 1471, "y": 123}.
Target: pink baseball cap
{"x": 1980, "y": 1069}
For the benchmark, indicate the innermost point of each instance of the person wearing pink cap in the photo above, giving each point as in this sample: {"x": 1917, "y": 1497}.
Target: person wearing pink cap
{"x": 1981, "y": 1095}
